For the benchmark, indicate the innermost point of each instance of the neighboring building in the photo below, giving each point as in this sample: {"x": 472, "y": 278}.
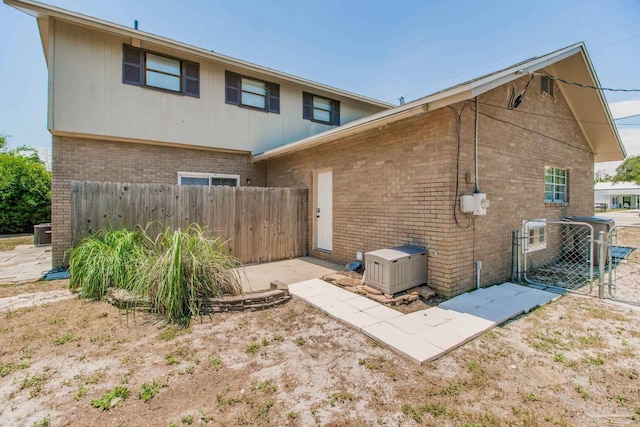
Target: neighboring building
{"x": 377, "y": 176}
{"x": 617, "y": 194}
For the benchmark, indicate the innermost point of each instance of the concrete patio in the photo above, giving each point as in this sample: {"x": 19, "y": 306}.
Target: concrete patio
{"x": 25, "y": 263}
{"x": 425, "y": 335}
{"x": 258, "y": 277}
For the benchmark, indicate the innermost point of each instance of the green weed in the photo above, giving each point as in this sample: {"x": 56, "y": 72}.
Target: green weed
{"x": 341, "y": 397}
{"x": 253, "y": 347}
{"x": 68, "y": 337}
{"x": 597, "y": 361}
{"x": 111, "y": 399}
{"x": 300, "y": 341}
{"x": 82, "y": 391}
{"x": 9, "y": 367}
{"x": 34, "y": 384}
{"x": 45, "y": 422}
{"x": 149, "y": 390}
{"x": 215, "y": 363}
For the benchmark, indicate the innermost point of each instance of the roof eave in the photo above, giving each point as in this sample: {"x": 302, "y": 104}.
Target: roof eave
{"x": 455, "y": 94}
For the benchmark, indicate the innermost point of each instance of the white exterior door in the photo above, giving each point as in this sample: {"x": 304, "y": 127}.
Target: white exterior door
{"x": 324, "y": 211}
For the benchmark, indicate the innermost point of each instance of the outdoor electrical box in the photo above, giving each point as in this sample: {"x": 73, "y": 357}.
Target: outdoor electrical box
{"x": 480, "y": 204}
{"x": 466, "y": 203}
{"x": 475, "y": 203}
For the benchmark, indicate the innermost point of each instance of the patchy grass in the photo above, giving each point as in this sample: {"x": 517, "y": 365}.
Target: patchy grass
{"x": 9, "y": 367}
{"x": 34, "y": 384}
{"x": 10, "y": 243}
{"x": 540, "y": 369}
{"x": 68, "y": 337}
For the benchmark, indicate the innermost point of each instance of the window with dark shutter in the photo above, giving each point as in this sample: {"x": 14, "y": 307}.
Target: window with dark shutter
{"x": 158, "y": 71}
{"x": 307, "y": 99}
{"x": 320, "y": 109}
{"x": 191, "y": 78}
{"x": 132, "y": 66}
{"x": 249, "y": 92}
{"x": 336, "y": 112}
{"x": 274, "y": 98}
{"x": 232, "y": 88}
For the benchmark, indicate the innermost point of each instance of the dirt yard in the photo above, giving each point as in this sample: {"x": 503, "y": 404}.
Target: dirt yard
{"x": 574, "y": 362}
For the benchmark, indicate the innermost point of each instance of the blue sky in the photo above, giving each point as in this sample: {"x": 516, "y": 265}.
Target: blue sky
{"x": 380, "y": 49}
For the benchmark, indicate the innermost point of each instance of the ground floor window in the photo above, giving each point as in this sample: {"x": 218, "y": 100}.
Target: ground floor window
{"x": 196, "y": 178}
{"x": 555, "y": 185}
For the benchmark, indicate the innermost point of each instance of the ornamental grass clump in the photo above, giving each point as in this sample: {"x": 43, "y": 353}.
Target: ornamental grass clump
{"x": 185, "y": 268}
{"x": 176, "y": 271}
{"x": 108, "y": 258}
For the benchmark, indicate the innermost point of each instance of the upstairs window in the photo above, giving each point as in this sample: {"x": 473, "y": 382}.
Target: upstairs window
{"x": 208, "y": 179}
{"x": 555, "y": 185}
{"x": 162, "y": 72}
{"x": 148, "y": 69}
{"x": 320, "y": 109}
{"x": 252, "y": 93}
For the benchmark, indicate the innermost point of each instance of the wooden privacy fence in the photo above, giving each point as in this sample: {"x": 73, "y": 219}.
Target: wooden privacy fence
{"x": 260, "y": 224}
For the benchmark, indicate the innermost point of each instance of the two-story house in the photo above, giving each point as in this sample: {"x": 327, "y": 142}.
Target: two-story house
{"x": 129, "y": 106}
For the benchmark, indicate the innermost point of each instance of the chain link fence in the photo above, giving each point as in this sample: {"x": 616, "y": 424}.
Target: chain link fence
{"x": 623, "y": 266}
{"x": 558, "y": 254}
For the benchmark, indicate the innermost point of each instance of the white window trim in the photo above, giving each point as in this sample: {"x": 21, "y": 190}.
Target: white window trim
{"x": 208, "y": 175}
{"x": 565, "y": 186}
{"x": 539, "y": 228}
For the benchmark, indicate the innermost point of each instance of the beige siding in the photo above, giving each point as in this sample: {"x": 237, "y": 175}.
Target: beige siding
{"x": 90, "y": 98}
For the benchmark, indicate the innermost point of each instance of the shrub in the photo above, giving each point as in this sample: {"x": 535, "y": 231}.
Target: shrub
{"x": 183, "y": 269}
{"x": 25, "y": 190}
{"x": 176, "y": 271}
{"x": 105, "y": 259}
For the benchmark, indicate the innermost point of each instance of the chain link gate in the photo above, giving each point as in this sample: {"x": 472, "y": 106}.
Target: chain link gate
{"x": 623, "y": 264}
{"x": 558, "y": 254}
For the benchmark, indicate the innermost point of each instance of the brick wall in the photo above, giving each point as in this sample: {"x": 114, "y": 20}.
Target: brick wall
{"x": 76, "y": 159}
{"x": 396, "y": 184}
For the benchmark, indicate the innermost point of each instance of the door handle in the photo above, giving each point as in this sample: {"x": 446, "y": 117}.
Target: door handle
{"x": 318, "y": 214}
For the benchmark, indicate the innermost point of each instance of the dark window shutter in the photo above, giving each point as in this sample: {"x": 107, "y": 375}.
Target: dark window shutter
{"x": 335, "y": 105}
{"x": 132, "y": 65}
{"x": 274, "y": 98}
{"x": 307, "y": 99}
{"x": 191, "y": 79}
{"x": 232, "y": 88}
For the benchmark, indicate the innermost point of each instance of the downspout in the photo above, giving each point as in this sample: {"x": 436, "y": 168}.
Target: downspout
{"x": 476, "y": 148}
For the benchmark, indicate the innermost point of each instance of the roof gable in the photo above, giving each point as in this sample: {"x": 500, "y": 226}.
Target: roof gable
{"x": 572, "y": 63}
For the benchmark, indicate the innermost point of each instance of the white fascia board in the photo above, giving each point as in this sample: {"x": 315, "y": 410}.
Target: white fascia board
{"x": 493, "y": 81}
{"x": 37, "y": 10}
{"x": 382, "y": 118}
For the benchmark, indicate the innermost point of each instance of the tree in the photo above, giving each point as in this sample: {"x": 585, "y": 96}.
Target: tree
{"x": 602, "y": 176}
{"x": 629, "y": 170}
{"x": 25, "y": 189}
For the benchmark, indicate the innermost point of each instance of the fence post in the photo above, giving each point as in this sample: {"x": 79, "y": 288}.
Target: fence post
{"x": 601, "y": 264}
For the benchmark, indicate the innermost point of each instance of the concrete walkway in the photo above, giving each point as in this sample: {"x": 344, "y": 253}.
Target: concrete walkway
{"x": 258, "y": 277}
{"x": 25, "y": 263}
{"x": 424, "y": 335}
